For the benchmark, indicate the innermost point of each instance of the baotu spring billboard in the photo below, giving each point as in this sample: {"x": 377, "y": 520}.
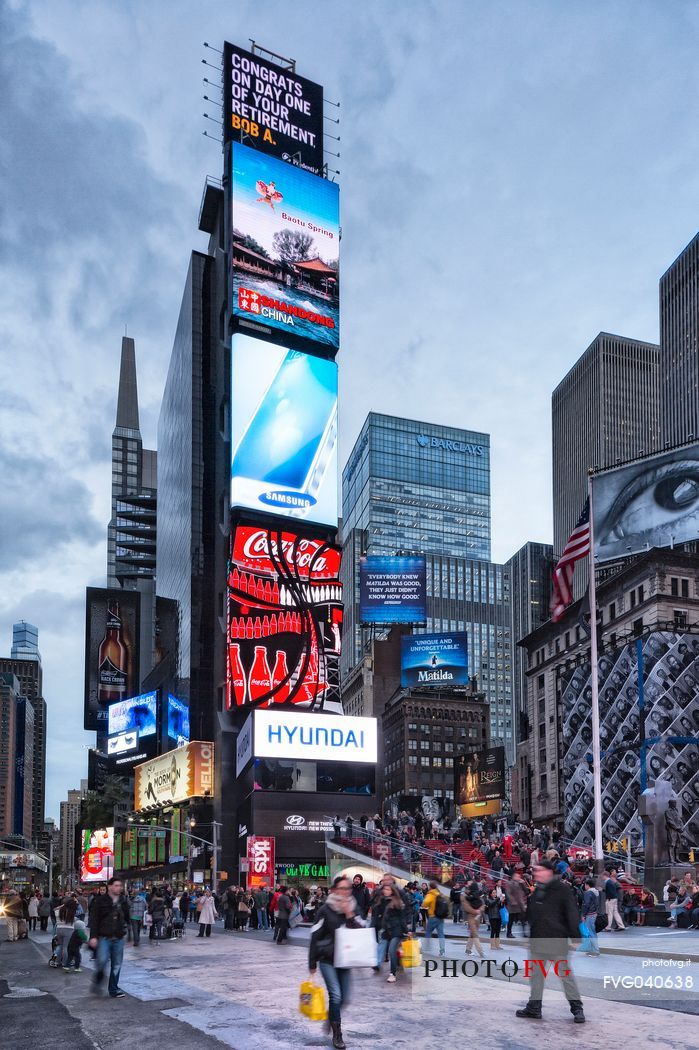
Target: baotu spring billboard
{"x": 285, "y": 249}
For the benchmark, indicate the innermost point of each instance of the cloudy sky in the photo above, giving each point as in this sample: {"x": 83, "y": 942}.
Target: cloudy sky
{"x": 515, "y": 178}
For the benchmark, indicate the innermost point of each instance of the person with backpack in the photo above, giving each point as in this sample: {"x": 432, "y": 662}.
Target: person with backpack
{"x": 472, "y": 905}
{"x": 437, "y": 909}
{"x": 590, "y": 910}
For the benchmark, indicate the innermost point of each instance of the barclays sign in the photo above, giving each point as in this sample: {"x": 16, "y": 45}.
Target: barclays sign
{"x": 318, "y": 737}
{"x": 425, "y": 441}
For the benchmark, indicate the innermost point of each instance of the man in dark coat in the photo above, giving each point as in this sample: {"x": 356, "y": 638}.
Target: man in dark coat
{"x": 554, "y": 921}
{"x": 361, "y": 896}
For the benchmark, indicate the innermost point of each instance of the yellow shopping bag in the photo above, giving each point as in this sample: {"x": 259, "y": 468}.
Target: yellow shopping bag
{"x": 312, "y": 1001}
{"x": 410, "y": 952}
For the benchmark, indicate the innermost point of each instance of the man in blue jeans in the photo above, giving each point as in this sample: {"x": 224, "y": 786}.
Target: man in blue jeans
{"x": 437, "y": 908}
{"x": 109, "y": 923}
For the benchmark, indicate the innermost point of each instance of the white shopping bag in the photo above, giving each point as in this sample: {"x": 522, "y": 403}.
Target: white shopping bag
{"x": 354, "y": 947}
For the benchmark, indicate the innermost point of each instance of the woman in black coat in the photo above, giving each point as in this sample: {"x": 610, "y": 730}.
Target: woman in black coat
{"x": 394, "y": 928}
{"x": 338, "y": 910}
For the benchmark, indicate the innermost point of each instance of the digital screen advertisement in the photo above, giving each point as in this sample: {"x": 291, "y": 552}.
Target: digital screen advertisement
{"x": 97, "y": 855}
{"x": 653, "y": 502}
{"x": 112, "y": 624}
{"x": 284, "y": 620}
{"x": 285, "y": 251}
{"x": 137, "y": 714}
{"x": 186, "y": 772}
{"x": 392, "y": 589}
{"x": 298, "y": 734}
{"x": 284, "y": 431}
{"x": 279, "y": 111}
{"x": 434, "y": 659}
{"x": 177, "y": 720}
{"x": 479, "y": 776}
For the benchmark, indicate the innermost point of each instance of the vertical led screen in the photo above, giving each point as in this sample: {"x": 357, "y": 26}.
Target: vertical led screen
{"x": 280, "y": 112}
{"x": 284, "y": 620}
{"x": 285, "y": 251}
{"x": 479, "y": 776}
{"x": 284, "y": 431}
{"x": 665, "y": 736}
{"x": 111, "y": 659}
{"x": 97, "y": 855}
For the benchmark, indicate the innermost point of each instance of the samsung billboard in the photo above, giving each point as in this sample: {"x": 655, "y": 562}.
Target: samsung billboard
{"x": 285, "y": 249}
{"x": 392, "y": 589}
{"x": 434, "y": 659}
{"x": 284, "y": 432}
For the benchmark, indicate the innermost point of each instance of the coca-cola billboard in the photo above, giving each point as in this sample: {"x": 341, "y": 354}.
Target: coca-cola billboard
{"x": 284, "y": 620}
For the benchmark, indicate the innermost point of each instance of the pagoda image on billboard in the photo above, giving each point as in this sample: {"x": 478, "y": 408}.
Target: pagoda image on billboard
{"x": 284, "y": 620}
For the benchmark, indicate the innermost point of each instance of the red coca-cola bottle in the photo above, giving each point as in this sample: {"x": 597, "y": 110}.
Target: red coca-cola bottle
{"x": 238, "y": 687}
{"x": 279, "y": 673}
{"x": 260, "y": 682}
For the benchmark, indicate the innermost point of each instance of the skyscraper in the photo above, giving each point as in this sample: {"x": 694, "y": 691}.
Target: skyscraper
{"x": 413, "y": 487}
{"x": 131, "y": 530}
{"x": 69, "y": 821}
{"x": 679, "y": 338}
{"x": 25, "y": 663}
{"x": 531, "y": 571}
{"x": 9, "y": 692}
{"x": 606, "y": 409}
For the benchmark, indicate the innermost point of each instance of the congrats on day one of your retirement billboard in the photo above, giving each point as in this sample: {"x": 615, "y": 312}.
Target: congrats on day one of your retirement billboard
{"x": 479, "y": 776}
{"x": 284, "y": 431}
{"x": 280, "y": 112}
{"x": 285, "y": 251}
{"x": 653, "y": 502}
{"x": 392, "y": 589}
{"x": 284, "y": 620}
{"x": 186, "y": 772}
{"x": 434, "y": 659}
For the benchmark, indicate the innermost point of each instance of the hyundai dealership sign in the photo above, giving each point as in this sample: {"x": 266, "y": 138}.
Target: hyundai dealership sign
{"x": 319, "y": 737}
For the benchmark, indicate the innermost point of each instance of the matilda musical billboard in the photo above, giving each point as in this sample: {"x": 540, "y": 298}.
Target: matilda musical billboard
{"x": 285, "y": 251}
{"x": 284, "y": 620}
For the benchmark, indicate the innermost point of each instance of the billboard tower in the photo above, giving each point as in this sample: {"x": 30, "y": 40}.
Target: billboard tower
{"x": 284, "y": 615}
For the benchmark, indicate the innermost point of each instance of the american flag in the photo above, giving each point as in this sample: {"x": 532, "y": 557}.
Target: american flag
{"x": 577, "y": 547}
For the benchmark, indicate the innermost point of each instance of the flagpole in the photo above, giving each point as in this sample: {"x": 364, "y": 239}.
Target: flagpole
{"x": 594, "y": 679}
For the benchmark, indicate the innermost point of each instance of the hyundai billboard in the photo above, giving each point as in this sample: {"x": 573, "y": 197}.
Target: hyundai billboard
{"x": 285, "y": 250}
{"x": 392, "y": 589}
{"x": 434, "y": 659}
{"x": 284, "y": 432}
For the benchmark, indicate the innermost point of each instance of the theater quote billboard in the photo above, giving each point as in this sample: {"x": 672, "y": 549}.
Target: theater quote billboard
{"x": 479, "y": 776}
{"x": 653, "y": 502}
{"x": 393, "y": 589}
{"x": 111, "y": 654}
{"x": 284, "y": 620}
{"x": 186, "y": 772}
{"x": 280, "y": 112}
{"x": 284, "y": 432}
{"x": 434, "y": 659}
{"x": 285, "y": 252}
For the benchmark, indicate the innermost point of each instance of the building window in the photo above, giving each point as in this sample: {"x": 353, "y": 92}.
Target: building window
{"x": 612, "y": 611}
{"x": 540, "y": 681}
{"x": 632, "y": 599}
{"x": 640, "y": 594}
{"x": 674, "y": 586}
{"x": 425, "y": 761}
{"x": 543, "y": 782}
{"x": 685, "y": 588}
{"x": 424, "y": 745}
{"x": 449, "y": 763}
{"x": 638, "y": 627}
{"x": 437, "y": 762}
{"x": 448, "y": 747}
{"x": 412, "y": 745}
{"x": 680, "y": 617}
{"x": 412, "y": 760}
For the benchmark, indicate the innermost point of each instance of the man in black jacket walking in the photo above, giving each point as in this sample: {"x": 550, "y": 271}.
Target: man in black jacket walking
{"x": 109, "y": 921}
{"x": 554, "y": 920}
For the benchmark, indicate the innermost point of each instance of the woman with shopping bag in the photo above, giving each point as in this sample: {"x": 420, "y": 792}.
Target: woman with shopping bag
{"x": 336, "y": 914}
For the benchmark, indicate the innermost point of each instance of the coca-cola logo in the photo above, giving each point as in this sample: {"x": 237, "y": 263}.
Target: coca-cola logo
{"x": 259, "y": 546}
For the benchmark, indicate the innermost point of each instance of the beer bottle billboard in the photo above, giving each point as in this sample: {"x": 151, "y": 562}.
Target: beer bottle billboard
{"x": 113, "y": 660}
{"x": 112, "y": 625}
